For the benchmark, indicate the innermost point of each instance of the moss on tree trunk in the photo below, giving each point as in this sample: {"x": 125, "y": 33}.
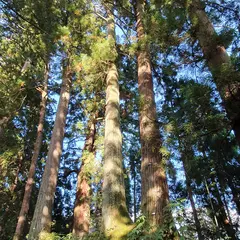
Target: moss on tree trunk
{"x": 116, "y": 220}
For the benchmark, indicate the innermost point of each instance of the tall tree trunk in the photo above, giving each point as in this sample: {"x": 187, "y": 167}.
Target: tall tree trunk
{"x": 225, "y": 77}
{"x": 226, "y": 207}
{"x": 98, "y": 207}
{"x": 134, "y": 196}
{"x": 222, "y": 216}
{"x": 81, "y": 219}
{"x": 36, "y": 151}
{"x": 213, "y": 209}
{"x": 236, "y": 194}
{"x": 41, "y": 222}
{"x": 155, "y": 197}
{"x": 116, "y": 220}
{"x": 190, "y": 195}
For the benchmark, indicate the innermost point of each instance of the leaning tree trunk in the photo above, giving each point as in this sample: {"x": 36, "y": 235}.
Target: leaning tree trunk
{"x": 42, "y": 218}
{"x": 155, "y": 197}
{"x": 81, "y": 219}
{"x": 116, "y": 220}
{"x": 36, "y": 151}
{"x": 225, "y": 77}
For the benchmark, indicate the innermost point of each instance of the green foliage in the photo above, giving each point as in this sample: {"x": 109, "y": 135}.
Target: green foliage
{"x": 138, "y": 231}
{"x": 226, "y": 37}
{"x": 144, "y": 231}
{"x": 195, "y": 129}
{"x": 55, "y": 236}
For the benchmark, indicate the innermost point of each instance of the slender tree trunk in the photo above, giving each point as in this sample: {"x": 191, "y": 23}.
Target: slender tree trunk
{"x": 41, "y": 222}
{"x": 196, "y": 220}
{"x": 212, "y": 208}
{"x": 155, "y": 197}
{"x": 190, "y": 195}
{"x": 225, "y": 77}
{"x": 116, "y": 220}
{"x": 222, "y": 216}
{"x": 98, "y": 208}
{"x": 81, "y": 219}
{"x": 36, "y": 151}
{"x": 227, "y": 208}
{"x": 134, "y": 196}
{"x": 235, "y": 192}
{"x": 187, "y": 154}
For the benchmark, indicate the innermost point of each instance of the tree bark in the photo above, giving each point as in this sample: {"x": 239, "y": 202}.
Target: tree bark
{"x": 155, "y": 197}
{"x": 116, "y": 220}
{"x": 81, "y": 219}
{"x": 36, "y": 151}
{"x": 224, "y": 75}
{"x": 41, "y": 222}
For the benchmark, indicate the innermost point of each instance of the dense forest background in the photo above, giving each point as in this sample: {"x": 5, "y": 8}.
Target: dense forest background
{"x": 119, "y": 119}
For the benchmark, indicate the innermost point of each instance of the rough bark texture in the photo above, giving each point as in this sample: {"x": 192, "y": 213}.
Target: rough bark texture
{"x": 116, "y": 220}
{"x": 42, "y": 218}
{"x": 225, "y": 77}
{"x": 155, "y": 197}
{"x": 81, "y": 219}
{"x": 36, "y": 151}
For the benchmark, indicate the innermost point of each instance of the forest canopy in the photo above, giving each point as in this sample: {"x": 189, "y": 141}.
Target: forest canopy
{"x": 119, "y": 119}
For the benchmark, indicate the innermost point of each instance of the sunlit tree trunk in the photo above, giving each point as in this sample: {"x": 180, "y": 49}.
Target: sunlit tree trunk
{"x": 155, "y": 197}
{"x": 81, "y": 219}
{"x": 38, "y": 143}
{"x": 42, "y": 218}
{"x": 115, "y": 216}
{"x": 225, "y": 77}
